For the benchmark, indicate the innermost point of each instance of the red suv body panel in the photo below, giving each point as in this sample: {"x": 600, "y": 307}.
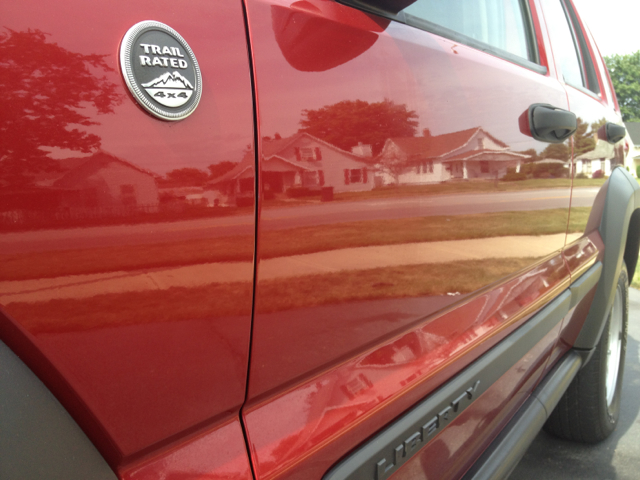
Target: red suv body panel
{"x": 137, "y": 315}
{"x": 255, "y": 291}
{"x": 372, "y": 353}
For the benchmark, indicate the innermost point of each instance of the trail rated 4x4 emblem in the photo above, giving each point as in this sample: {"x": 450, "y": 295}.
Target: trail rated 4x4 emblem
{"x": 161, "y": 71}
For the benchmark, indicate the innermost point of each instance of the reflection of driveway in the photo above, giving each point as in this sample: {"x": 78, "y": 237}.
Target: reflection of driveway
{"x": 348, "y": 259}
{"x": 290, "y": 217}
{"x": 425, "y": 206}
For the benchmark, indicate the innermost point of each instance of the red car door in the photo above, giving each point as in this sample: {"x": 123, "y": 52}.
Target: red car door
{"x": 126, "y": 266}
{"x": 408, "y": 223}
{"x": 597, "y": 146}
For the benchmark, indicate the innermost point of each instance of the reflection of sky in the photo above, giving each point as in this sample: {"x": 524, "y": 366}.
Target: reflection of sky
{"x": 153, "y": 144}
{"x": 615, "y": 28}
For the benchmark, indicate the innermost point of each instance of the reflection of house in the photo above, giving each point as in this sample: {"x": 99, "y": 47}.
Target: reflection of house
{"x": 299, "y": 161}
{"x": 597, "y": 159}
{"x": 98, "y": 186}
{"x": 467, "y": 154}
{"x": 632, "y": 161}
{"x": 106, "y": 182}
{"x": 235, "y": 187}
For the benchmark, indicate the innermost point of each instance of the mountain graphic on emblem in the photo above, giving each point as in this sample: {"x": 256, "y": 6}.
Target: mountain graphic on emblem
{"x": 170, "y": 89}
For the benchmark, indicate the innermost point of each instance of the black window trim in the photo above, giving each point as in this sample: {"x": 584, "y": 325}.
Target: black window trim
{"x": 421, "y": 24}
{"x": 587, "y": 60}
{"x": 577, "y": 49}
{"x": 530, "y": 32}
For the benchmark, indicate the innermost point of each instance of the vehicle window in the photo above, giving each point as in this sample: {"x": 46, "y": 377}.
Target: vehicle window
{"x": 587, "y": 65}
{"x": 602, "y": 69}
{"x": 565, "y": 48}
{"x": 606, "y": 81}
{"x": 499, "y": 23}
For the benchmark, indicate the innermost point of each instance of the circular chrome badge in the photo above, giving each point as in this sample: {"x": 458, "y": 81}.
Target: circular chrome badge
{"x": 161, "y": 70}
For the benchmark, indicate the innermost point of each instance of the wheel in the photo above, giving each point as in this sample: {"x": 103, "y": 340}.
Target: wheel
{"x": 589, "y": 410}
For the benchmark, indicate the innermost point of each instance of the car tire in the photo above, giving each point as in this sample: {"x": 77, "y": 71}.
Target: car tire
{"x": 589, "y": 410}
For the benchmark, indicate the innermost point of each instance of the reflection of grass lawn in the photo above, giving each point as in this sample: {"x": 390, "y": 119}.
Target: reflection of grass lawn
{"x": 390, "y": 282}
{"x": 294, "y": 241}
{"x": 129, "y": 257}
{"x": 228, "y": 300}
{"x": 172, "y": 305}
{"x": 425, "y": 229}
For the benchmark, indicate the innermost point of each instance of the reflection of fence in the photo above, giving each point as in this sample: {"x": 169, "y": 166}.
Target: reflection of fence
{"x": 25, "y": 217}
{"x": 104, "y": 212}
{"x": 21, "y": 219}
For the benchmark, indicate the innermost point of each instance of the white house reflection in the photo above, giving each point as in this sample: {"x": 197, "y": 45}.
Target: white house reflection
{"x": 467, "y": 154}
{"x": 297, "y": 166}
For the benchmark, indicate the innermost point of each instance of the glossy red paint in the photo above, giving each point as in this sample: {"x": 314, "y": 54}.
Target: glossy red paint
{"x": 387, "y": 379}
{"x": 343, "y": 341}
{"x": 590, "y": 152}
{"x": 126, "y": 267}
{"x": 377, "y": 280}
{"x": 217, "y": 455}
{"x": 592, "y": 156}
{"x": 277, "y": 114}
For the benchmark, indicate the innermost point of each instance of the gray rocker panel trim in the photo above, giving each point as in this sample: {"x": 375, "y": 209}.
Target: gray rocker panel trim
{"x": 502, "y": 456}
{"x": 623, "y": 197}
{"x": 585, "y": 283}
{"x": 38, "y": 437}
{"x": 386, "y": 451}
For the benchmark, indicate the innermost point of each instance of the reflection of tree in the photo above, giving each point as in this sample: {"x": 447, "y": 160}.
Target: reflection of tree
{"x": 186, "y": 177}
{"x": 345, "y": 124}
{"x": 584, "y": 141}
{"x": 44, "y": 89}
{"x": 395, "y": 164}
{"x": 557, "y": 151}
{"x": 194, "y": 177}
{"x": 218, "y": 169}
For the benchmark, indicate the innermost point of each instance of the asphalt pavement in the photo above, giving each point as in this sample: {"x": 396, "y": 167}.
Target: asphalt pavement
{"x": 618, "y": 457}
